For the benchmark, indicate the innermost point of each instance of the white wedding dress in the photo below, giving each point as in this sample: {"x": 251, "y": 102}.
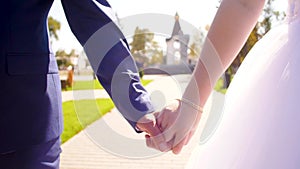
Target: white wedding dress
{"x": 260, "y": 125}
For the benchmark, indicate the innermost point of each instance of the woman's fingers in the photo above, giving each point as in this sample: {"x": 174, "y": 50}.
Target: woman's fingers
{"x": 177, "y": 149}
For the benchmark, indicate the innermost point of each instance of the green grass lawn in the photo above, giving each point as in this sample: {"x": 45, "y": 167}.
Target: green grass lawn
{"x": 219, "y": 86}
{"x": 79, "y": 114}
{"x": 94, "y": 84}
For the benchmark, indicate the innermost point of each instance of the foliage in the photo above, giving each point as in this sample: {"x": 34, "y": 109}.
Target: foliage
{"x": 219, "y": 86}
{"x": 54, "y": 27}
{"x": 269, "y": 16}
{"x": 197, "y": 42}
{"x": 193, "y": 50}
{"x": 157, "y": 57}
{"x": 62, "y": 53}
{"x": 64, "y": 59}
{"x": 140, "y": 38}
{"x": 144, "y": 48}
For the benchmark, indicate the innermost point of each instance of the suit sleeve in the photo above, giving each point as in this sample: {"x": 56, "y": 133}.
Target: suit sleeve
{"x": 109, "y": 55}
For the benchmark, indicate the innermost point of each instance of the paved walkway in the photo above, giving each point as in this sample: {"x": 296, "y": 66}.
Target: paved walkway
{"x": 87, "y": 149}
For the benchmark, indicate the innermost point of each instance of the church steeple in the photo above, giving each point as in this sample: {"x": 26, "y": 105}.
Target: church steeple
{"x": 177, "y": 27}
{"x": 177, "y": 44}
{"x": 176, "y": 16}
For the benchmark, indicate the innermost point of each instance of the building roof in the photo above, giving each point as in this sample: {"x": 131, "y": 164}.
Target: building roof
{"x": 177, "y": 27}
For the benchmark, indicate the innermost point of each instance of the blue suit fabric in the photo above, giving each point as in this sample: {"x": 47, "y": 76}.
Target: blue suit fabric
{"x": 30, "y": 102}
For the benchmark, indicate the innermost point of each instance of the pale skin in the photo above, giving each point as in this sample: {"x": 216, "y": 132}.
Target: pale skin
{"x": 229, "y": 31}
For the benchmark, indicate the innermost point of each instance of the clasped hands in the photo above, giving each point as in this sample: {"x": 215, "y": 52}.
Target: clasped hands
{"x": 171, "y": 128}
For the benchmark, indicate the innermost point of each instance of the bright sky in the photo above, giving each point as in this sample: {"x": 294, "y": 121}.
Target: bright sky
{"x": 196, "y": 12}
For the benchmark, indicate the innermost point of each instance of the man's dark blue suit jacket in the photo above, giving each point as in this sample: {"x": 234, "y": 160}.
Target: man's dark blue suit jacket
{"x": 30, "y": 102}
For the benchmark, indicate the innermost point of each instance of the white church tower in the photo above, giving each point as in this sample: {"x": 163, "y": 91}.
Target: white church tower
{"x": 177, "y": 45}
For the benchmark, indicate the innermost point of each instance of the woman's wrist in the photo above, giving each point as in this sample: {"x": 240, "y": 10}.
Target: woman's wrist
{"x": 195, "y": 106}
{"x": 199, "y": 88}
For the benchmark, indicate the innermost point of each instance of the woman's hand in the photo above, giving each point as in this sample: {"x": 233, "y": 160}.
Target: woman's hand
{"x": 178, "y": 122}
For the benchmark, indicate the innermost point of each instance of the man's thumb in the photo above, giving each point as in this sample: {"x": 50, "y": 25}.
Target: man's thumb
{"x": 148, "y": 125}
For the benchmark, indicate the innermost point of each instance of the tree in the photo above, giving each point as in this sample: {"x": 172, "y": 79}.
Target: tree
{"x": 73, "y": 53}
{"x": 54, "y": 27}
{"x": 269, "y": 16}
{"x": 194, "y": 50}
{"x": 144, "y": 48}
{"x": 140, "y": 38}
{"x": 61, "y": 53}
{"x": 64, "y": 59}
{"x": 197, "y": 42}
{"x": 157, "y": 58}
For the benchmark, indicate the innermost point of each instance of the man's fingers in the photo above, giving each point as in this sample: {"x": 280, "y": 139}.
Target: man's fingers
{"x": 148, "y": 125}
{"x": 159, "y": 118}
{"x": 158, "y": 139}
{"x": 146, "y": 121}
{"x": 149, "y": 142}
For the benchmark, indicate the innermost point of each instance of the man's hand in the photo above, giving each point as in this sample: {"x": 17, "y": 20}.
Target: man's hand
{"x": 178, "y": 121}
{"x": 149, "y": 125}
